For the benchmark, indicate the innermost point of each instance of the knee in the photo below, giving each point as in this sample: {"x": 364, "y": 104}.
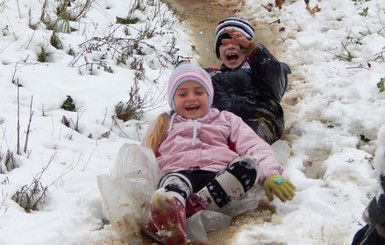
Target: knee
{"x": 245, "y": 168}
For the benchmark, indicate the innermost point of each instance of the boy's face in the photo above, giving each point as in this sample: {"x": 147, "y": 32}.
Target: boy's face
{"x": 231, "y": 55}
{"x": 191, "y": 100}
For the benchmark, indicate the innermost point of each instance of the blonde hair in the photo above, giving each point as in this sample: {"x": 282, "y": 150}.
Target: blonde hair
{"x": 158, "y": 133}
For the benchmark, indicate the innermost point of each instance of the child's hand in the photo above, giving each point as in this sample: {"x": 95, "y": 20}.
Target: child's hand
{"x": 280, "y": 187}
{"x": 236, "y": 38}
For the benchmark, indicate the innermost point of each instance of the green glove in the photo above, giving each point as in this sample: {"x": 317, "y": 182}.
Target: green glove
{"x": 280, "y": 187}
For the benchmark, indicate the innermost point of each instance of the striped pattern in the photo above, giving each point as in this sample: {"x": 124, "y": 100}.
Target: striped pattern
{"x": 240, "y": 24}
{"x": 189, "y": 72}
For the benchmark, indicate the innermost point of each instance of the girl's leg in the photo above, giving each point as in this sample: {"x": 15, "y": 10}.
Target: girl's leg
{"x": 176, "y": 185}
{"x": 168, "y": 213}
{"x": 230, "y": 184}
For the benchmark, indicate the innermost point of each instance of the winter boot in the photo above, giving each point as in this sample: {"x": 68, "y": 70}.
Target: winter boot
{"x": 194, "y": 204}
{"x": 168, "y": 219}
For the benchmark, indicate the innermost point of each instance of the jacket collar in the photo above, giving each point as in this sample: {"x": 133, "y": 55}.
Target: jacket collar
{"x": 175, "y": 117}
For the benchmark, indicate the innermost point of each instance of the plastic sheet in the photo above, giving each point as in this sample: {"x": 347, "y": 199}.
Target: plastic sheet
{"x": 205, "y": 221}
{"x": 201, "y": 223}
{"x": 127, "y": 191}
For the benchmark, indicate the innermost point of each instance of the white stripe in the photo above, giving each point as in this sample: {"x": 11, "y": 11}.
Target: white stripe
{"x": 231, "y": 185}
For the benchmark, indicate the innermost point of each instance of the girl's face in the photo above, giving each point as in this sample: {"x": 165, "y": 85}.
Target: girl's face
{"x": 191, "y": 100}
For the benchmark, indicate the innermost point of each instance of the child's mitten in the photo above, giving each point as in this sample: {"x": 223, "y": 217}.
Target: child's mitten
{"x": 280, "y": 187}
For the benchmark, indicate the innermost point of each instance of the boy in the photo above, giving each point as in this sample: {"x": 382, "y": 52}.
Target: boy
{"x": 251, "y": 81}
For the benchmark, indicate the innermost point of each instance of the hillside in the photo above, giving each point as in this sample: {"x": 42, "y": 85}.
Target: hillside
{"x": 79, "y": 79}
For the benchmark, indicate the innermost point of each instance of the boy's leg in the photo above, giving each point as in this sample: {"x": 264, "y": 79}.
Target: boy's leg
{"x": 231, "y": 184}
{"x": 265, "y": 129}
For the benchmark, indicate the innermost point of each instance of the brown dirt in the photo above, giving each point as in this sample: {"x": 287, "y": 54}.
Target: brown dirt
{"x": 200, "y": 17}
{"x": 264, "y": 213}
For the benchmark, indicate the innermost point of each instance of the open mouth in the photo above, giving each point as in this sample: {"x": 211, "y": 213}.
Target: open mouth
{"x": 192, "y": 107}
{"x": 232, "y": 56}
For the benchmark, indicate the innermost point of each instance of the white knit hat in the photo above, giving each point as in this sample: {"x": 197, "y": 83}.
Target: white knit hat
{"x": 240, "y": 24}
{"x": 189, "y": 72}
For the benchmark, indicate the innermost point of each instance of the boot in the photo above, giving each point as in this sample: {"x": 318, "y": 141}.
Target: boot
{"x": 168, "y": 219}
{"x": 194, "y": 204}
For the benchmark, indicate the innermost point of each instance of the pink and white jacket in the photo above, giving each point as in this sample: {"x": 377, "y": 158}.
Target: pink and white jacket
{"x": 211, "y": 143}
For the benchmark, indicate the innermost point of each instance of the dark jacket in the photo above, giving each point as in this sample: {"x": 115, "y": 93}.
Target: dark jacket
{"x": 375, "y": 212}
{"x": 253, "y": 91}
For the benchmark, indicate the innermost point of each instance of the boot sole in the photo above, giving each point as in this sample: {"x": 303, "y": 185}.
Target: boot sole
{"x": 148, "y": 233}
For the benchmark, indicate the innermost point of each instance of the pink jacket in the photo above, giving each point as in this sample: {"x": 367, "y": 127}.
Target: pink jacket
{"x": 211, "y": 143}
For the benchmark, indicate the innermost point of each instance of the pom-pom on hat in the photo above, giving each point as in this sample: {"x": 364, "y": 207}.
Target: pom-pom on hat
{"x": 189, "y": 72}
{"x": 240, "y": 24}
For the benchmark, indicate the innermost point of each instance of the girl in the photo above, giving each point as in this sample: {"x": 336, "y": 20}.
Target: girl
{"x": 209, "y": 157}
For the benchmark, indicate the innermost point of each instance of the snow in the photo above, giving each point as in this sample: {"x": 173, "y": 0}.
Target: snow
{"x": 335, "y": 124}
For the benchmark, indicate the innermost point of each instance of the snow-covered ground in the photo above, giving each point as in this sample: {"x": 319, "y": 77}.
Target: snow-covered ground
{"x": 333, "y": 151}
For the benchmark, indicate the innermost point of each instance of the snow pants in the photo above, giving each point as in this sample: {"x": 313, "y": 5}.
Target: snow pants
{"x": 215, "y": 188}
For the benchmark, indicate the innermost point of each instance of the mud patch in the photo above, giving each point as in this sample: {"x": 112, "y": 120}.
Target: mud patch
{"x": 201, "y": 17}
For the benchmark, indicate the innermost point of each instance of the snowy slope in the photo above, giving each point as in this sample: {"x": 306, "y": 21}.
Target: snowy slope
{"x": 333, "y": 149}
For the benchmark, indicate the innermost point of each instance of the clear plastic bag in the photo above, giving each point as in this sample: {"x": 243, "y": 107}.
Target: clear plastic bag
{"x": 127, "y": 191}
{"x": 136, "y": 162}
{"x": 205, "y": 221}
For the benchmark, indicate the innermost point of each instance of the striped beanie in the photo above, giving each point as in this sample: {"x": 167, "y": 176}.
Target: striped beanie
{"x": 240, "y": 24}
{"x": 189, "y": 72}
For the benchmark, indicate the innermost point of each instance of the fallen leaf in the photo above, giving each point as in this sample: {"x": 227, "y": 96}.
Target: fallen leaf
{"x": 313, "y": 10}
{"x": 279, "y": 3}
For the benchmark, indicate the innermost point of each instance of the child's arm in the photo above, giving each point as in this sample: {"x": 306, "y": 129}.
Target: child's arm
{"x": 268, "y": 70}
{"x": 248, "y": 143}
